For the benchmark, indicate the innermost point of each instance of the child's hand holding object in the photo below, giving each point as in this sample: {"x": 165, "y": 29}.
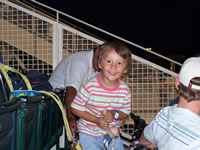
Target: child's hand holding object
{"x": 108, "y": 117}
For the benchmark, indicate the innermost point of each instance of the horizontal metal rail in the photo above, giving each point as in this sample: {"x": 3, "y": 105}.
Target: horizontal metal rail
{"x": 108, "y": 33}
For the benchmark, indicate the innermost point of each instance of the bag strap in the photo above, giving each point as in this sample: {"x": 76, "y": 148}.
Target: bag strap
{"x": 66, "y": 124}
{"x": 59, "y": 103}
{"x": 4, "y": 69}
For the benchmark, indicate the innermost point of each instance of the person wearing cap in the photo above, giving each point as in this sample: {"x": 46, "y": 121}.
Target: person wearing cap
{"x": 176, "y": 100}
{"x": 178, "y": 126}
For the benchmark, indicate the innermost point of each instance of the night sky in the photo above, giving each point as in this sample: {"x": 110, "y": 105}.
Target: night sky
{"x": 166, "y": 27}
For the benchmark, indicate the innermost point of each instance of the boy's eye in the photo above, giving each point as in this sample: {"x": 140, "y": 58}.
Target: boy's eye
{"x": 108, "y": 61}
{"x": 119, "y": 63}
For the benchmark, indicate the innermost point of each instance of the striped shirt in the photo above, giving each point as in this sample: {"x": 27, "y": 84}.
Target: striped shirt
{"x": 174, "y": 128}
{"x": 94, "y": 98}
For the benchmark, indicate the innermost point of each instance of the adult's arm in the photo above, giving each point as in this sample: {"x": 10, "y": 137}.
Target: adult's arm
{"x": 69, "y": 97}
{"x": 144, "y": 142}
{"x": 74, "y": 80}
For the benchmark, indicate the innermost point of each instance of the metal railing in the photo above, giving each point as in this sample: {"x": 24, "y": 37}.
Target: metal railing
{"x": 34, "y": 41}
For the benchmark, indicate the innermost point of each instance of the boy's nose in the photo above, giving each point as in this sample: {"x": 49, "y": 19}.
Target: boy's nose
{"x": 113, "y": 66}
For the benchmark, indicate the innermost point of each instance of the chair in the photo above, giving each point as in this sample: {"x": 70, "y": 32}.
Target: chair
{"x": 8, "y": 124}
{"x": 54, "y": 129}
{"x": 27, "y": 122}
{"x": 58, "y": 124}
{"x": 27, "y": 119}
{"x": 3, "y": 94}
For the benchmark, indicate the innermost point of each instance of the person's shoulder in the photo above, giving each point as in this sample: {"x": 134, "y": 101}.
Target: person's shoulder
{"x": 78, "y": 54}
{"x": 81, "y": 53}
{"x": 81, "y": 57}
{"x": 166, "y": 110}
{"x": 76, "y": 58}
{"x": 124, "y": 84}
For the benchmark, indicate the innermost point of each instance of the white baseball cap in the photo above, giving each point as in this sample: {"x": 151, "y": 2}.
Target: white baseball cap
{"x": 189, "y": 70}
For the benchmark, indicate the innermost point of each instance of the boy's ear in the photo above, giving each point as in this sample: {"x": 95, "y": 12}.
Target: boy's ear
{"x": 125, "y": 71}
{"x": 99, "y": 65}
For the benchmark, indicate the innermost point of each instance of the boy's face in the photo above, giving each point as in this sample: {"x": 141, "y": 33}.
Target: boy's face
{"x": 113, "y": 66}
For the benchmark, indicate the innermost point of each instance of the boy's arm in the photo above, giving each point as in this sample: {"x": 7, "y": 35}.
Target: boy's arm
{"x": 144, "y": 142}
{"x": 84, "y": 115}
{"x": 122, "y": 116}
{"x": 87, "y": 116}
{"x": 109, "y": 115}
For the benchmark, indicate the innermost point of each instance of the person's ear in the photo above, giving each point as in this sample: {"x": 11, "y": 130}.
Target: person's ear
{"x": 99, "y": 64}
{"x": 125, "y": 71}
{"x": 177, "y": 82}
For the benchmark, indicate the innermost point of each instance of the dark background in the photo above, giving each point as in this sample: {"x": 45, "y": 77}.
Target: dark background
{"x": 169, "y": 28}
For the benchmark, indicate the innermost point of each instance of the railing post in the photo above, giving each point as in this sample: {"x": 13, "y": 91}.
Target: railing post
{"x": 22, "y": 113}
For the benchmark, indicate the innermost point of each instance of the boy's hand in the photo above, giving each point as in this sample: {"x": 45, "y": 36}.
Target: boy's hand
{"x": 102, "y": 123}
{"x": 108, "y": 115}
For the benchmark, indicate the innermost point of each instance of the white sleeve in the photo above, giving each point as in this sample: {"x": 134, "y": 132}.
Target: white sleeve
{"x": 75, "y": 75}
{"x": 148, "y": 132}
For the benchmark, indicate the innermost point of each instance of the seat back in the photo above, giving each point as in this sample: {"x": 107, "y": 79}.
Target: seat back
{"x": 3, "y": 94}
{"x": 27, "y": 122}
{"x": 8, "y": 124}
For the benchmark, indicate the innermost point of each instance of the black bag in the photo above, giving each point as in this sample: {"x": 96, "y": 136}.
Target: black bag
{"x": 38, "y": 81}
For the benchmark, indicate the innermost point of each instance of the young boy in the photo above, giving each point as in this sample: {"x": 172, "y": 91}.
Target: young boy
{"x": 104, "y": 101}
